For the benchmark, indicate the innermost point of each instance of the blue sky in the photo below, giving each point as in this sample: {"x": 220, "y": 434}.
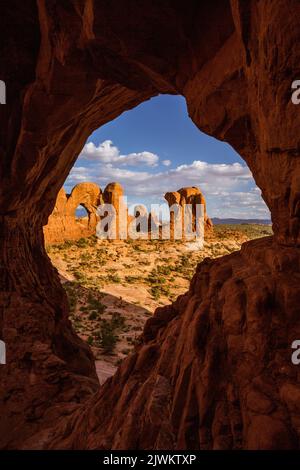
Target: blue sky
{"x": 156, "y": 148}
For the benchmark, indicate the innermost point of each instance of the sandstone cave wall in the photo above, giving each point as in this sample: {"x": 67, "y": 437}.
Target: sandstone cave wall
{"x": 213, "y": 370}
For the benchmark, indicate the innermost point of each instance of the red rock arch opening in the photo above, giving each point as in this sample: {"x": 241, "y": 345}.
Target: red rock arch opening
{"x": 229, "y": 336}
{"x": 131, "y": 149}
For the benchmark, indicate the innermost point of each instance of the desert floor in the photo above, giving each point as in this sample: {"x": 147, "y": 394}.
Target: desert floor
{"x": 114, "y": 286}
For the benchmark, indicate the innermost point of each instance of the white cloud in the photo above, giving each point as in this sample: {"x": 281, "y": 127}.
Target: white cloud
{"x": 166, "y": 162}
{"x": 239, "y": 204}
{"x": 229, "y": 188}
{"x": 106, "y": 152}
{"x": 208, "y": 176}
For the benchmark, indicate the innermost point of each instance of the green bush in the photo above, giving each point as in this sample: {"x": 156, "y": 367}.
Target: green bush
{"x": 93, "y": 315}
{"x": 107, "y": 336}
{"x": 95, "y": 304}
{"x": 131, "y": 279}
{"x": 117, "y": 321}
{"x": 165, "y": 270}
{"x": 82, "y": 243}
{"x": 114, "y": 278}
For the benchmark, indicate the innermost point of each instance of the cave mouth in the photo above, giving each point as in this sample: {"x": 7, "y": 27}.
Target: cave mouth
{"x": 148, "y": 151}
{"x": 155, "y": 148}
{"x": 73, "y": 75}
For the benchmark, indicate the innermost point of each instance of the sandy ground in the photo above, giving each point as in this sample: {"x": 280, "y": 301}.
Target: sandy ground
{"x": 114, "y": 286}
{"x": 104, "y": 370}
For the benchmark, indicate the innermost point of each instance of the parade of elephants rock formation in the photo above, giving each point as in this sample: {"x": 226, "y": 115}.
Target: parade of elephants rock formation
{"x": 212, "y": 370}
{"x": 64, "y": 225}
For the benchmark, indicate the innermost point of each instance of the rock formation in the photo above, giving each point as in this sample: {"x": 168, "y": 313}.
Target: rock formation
{"x": 139, "y": 224}
{"x": 114, "y": 194}
{"x": 213, "y": 369}
{"x": 63, "y": 223}
{"x": 194, "y": 197}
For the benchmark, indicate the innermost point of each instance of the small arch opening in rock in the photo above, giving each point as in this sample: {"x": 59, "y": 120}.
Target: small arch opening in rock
{"x": 81, "y": 213}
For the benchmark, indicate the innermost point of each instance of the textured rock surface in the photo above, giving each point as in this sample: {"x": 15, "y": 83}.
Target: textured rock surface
{"x": 114, "y": 195}
{"x": 63, "y": 224}
{"x": 69, "y": 68}
{"x": 192, "y": 196}
{"x": 140, "y": 224}
{"x": 214, "y": 369}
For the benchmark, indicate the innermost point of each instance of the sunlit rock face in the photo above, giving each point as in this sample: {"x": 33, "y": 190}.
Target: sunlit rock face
{"x": 213, "y": 370}
{"x": 199, "y": 220}
{"x": 114, "y": 195}
{"x": 63, "y": 223}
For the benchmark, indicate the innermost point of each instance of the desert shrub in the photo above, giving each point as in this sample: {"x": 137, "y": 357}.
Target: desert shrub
{"x": 125, "y": 351}
{"x": 93, "y": 315}
{"x": 82, "y": 243}
{"x": 155, "y": 278}
{"x": 107, "y": 337}
{"x": 79, "y": 275}
{"x": 117, "y": 321}
{"x": 71, "y": 294}
{"x": 155, "y": 292}
{"x": 184, "y": 260}
{"x": 136, "y": 328}
{"x": 165, "y": 270}
{"x": 95, "y": 304}
{"x": 144, "y": 262}
{"x": 131, "y": 279}
{"x": 114, "y": 278}
{"x": 93, "y": 240}
{"x": 85, "y": 257}
{"x": 62, "y": 246}
{"x": 158, "y": 290}
{"x": 101, "y": 262}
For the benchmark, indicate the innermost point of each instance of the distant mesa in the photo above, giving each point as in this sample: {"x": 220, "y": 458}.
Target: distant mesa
{"x": 220, "y": 221}
{"x": 63, "y": 223}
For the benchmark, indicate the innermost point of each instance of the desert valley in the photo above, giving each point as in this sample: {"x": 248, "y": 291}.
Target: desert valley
{"x": 114, "y": 286}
